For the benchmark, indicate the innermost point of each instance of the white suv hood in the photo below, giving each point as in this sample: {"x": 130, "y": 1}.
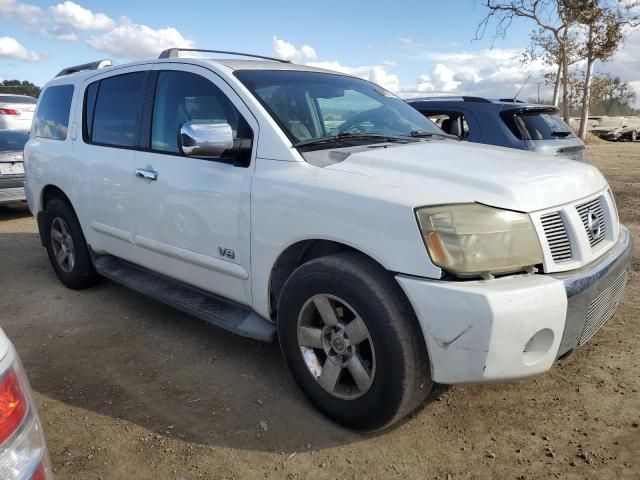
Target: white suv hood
{"x": 438, "y": 172}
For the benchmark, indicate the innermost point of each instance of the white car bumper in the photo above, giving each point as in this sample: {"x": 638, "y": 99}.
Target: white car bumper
{"x": 517, "y": 326}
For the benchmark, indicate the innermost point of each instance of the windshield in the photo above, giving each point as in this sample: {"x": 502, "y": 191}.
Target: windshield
{"x": 11, "y": 140}
{"x": 537, "y": 125}
{"x": 313, "y": 105}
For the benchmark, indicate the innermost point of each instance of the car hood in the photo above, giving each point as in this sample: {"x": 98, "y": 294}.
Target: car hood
{"x": 443, "y": 171}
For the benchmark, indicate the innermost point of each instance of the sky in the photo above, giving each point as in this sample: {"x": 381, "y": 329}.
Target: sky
{"x": 419, "y": 48}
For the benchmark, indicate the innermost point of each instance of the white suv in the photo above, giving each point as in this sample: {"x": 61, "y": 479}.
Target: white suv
{"x": 271, "y": 198}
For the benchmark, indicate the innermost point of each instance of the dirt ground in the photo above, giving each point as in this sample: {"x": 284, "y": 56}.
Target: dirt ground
{"x": 129, "y": 388}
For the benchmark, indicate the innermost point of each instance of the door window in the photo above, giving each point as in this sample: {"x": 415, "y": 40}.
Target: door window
{"x": 183, "y": 97}
{"x": 453, "y": 123}
{"x": 117, "y": 110}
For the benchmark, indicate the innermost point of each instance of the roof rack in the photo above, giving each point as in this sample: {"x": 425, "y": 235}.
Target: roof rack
{"x": 463, "y": 98}
{"x": 85, "y": 67}
{"x": 175, "y": 53}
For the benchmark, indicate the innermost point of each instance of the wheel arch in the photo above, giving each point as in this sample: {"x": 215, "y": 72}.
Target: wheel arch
{"x": 49, "y": 192}
{"x": 298, "y": 254}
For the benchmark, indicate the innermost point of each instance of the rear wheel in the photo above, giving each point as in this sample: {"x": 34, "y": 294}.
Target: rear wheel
{"x": 66, "y": 246}
{"x": 352, "y": 342}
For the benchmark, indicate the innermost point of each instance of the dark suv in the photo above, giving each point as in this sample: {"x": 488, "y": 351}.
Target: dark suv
{"x": 506, "y": 123}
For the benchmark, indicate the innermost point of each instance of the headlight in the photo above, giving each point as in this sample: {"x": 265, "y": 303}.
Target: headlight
{"x": 473, "y": 239}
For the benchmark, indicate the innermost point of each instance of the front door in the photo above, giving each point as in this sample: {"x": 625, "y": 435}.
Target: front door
{"x": 193, "y": 214}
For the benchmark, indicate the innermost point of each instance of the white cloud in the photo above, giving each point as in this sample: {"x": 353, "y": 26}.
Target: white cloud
{"x": 76, "y": 16}
{"x": 288, "y": 51}
{"x": 22, "y": 11}
{"x": 492, "y": 73}
{"x": 306, "y": 54}
{"x": 11, "y": 48}
{"x": 138, "y": 41}
{"x": 374, "y": 73}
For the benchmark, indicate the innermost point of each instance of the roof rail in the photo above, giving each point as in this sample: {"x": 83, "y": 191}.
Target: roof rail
{"x": 85, "y": 67}
{"x": 175, "y": 53}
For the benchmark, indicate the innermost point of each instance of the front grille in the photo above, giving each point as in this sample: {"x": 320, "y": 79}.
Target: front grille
{"x": 557, "y": 237}
{"x": 594, "y": 206}
{"x": 602, "y": 307}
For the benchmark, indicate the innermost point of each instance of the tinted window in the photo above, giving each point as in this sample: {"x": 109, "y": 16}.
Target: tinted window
{"x": 118, "y": 110}
{"x": 90, "y": 96}
{"x": 536, "y": 125}
{"x": 11, "y": 140}
{"x": 185, "y": 97}
{"x": 52, "y": 117}
{"x": 17, "y": 99}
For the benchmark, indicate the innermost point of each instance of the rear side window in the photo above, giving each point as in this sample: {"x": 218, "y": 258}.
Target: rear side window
{"x": 113, "y": 110}
{"x": 52, "y": 116}
{"x": 453, "y": 123}
{"x": 536, "y": 125}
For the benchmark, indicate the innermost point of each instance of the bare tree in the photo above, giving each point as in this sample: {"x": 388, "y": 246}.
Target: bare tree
{"x": 603, "y": 25}
{"x": 554, "y": 17}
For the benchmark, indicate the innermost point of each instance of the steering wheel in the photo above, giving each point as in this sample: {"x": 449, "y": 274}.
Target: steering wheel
{"x": 382, "y": 118}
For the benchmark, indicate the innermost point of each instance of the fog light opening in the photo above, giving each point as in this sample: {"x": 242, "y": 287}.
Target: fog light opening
{"x": 537, "y": 346}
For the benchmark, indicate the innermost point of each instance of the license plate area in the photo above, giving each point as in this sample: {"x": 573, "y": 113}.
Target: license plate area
{"x": 11, "y": 168}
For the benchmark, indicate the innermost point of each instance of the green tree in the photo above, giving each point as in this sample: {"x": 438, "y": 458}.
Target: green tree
{"x": 18, "y": 87}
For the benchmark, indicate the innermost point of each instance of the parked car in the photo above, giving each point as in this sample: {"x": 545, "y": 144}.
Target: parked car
{"x": 16, "y": 112}
{"x": 11, "y": 169}
{"x": 23, "y": 451}
{"x": 617, "y": 128}
{"x": 505, "y": 123}
{"x": 267, "y": 197}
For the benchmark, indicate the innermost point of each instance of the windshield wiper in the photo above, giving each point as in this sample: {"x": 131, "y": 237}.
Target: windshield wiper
{"x": 561, "y": 134}
{"x": 425, "y": 134}
{"x": 348, "y": 136}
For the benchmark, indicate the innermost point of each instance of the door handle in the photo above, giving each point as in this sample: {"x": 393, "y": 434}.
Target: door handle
{"x": 146, "y": 174}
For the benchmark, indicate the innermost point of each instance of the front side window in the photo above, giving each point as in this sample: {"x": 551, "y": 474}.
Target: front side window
{"x": 183, "y": 97}
{"x": 52, "y": 116}
{"x": 312, "y": 106}
{"x": 117, "y": 109}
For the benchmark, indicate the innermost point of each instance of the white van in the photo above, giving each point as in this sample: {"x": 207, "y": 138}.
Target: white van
{"x": 272, "y": 198}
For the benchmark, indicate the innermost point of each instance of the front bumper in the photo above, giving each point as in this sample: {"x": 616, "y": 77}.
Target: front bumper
{"x": 516, "y": 326}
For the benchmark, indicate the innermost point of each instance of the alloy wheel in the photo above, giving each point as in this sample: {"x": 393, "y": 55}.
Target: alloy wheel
{"x": 336, "y": 346}
{"x": 62, "y": 245}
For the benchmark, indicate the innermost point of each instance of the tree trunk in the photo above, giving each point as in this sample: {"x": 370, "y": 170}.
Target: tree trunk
{"x": 556, "y": 87}
{"x": 565, "y": 77}
{"x": 586, "y": 98}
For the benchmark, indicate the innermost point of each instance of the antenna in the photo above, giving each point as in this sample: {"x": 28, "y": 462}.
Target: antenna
{"x": 525, "y": 82}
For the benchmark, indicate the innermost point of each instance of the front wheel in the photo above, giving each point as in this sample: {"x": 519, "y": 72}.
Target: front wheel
{"x": 352, "y": 342}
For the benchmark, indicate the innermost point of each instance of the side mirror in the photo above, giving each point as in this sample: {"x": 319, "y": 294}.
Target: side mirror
{"x": 205, "y": 139}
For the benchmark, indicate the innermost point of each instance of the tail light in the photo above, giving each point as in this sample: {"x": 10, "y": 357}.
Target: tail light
{"x": 9, "y": 111}
{"x": 13, "y": 405}
{"x": 23, "y": 451}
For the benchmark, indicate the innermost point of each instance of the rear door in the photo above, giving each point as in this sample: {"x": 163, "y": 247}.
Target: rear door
{"x": 192, "y": 219}
{"x": 106, "y": 144}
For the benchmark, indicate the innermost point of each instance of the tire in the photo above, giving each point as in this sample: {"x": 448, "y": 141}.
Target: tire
{"x": 392, "y": 353}
{"x": 69, "y": 255}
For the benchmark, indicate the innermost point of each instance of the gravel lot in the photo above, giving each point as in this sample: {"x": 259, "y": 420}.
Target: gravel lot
{"x": 129, "y": 388}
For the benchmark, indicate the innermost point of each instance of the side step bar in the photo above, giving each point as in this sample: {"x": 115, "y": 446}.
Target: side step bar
{"x": 208, "y": 307}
